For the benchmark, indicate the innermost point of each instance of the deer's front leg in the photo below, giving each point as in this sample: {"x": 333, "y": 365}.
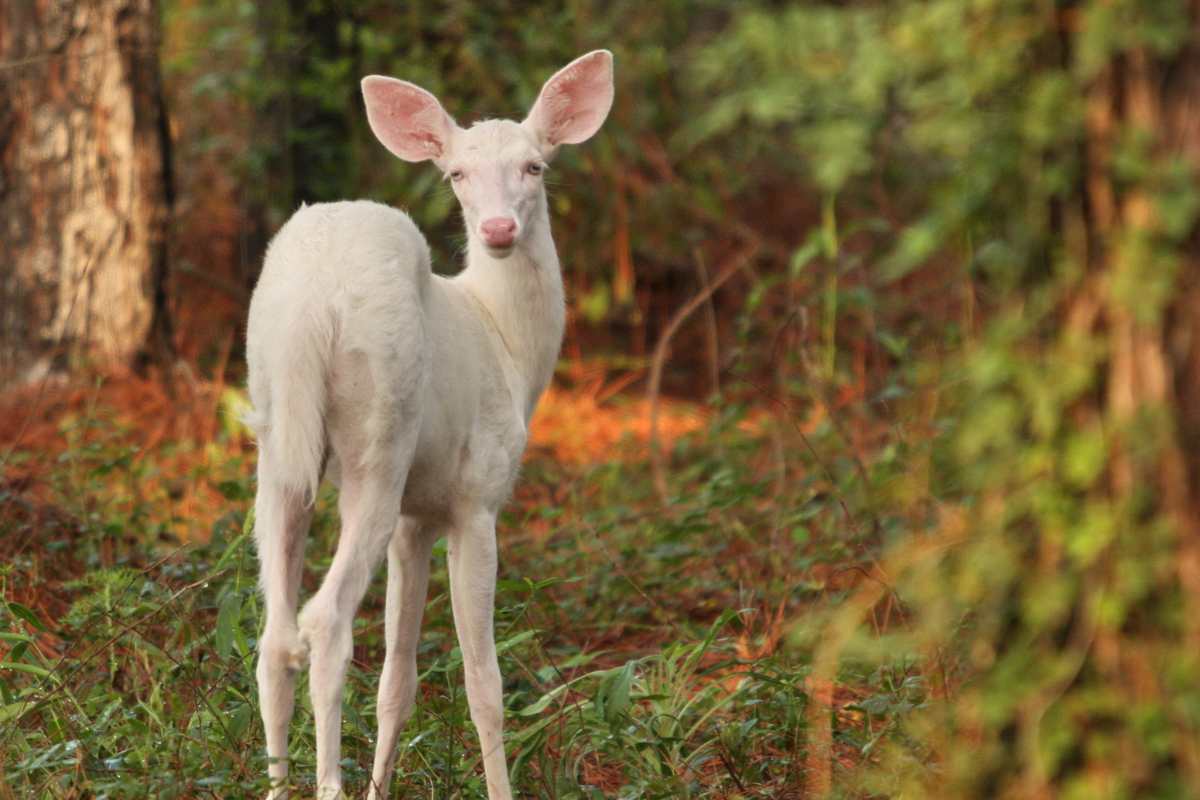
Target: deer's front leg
{"x": 472, "y": 563}
{"x": 408, "y": 582}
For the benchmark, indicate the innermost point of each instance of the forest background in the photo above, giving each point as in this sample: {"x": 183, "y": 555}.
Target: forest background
{"x": 871, "y": 467}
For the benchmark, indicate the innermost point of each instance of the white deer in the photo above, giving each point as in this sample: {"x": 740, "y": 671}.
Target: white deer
{"x": 412, "y": 392}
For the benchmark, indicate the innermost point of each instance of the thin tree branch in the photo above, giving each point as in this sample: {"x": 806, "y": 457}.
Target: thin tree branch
{"x": 657, "y": 459}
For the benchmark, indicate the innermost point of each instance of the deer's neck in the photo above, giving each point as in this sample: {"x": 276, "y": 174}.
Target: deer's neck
{"x": 523, "y": 295}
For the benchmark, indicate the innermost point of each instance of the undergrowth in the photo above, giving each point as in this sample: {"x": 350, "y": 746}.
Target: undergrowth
{"x": 642, "y": 645}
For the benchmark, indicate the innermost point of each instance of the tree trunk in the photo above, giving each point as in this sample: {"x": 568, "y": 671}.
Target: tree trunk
{"x": 310, "y": 137}
{"x": 84, "y": 185}
{"x": 1154, "y": 363}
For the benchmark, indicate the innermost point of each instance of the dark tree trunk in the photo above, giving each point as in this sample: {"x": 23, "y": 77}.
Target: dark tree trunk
{"x": 307, "y": 135}
{"x": 84, "y": 186}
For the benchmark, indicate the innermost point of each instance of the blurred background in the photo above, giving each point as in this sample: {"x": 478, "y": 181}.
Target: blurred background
{"x": 871, "y": 467}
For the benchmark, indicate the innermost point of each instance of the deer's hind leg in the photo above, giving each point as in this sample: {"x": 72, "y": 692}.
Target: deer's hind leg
{"x": 282, "y": 518}
{"x": 374, "y": 435}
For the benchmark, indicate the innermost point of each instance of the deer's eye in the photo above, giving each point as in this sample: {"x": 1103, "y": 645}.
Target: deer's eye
{"x": 456, "y": 174}
{"x": 534, "y": 168}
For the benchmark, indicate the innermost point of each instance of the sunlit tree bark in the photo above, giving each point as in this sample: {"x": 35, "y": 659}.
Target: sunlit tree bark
{"x": 1152, "y": 381}
{"x": 84, "y": 185}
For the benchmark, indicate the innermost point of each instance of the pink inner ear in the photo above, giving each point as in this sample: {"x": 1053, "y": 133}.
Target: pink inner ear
{"x": 415, "y": 116}
{"x": 574, "y": 102}
{"x": 407, "y": 116}
{"x": 409, "y": 121}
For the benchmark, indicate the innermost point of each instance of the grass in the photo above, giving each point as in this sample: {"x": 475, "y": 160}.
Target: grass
{"x": 648, "y": 651}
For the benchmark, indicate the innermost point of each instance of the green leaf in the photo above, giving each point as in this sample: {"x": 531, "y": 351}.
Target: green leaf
{"x": 805, "y": 253}
{"x": 32, "y": 669}
{"x": 25, "y": 613}
{"x": 228, "y": 616}
{"x": 613, "y": 697}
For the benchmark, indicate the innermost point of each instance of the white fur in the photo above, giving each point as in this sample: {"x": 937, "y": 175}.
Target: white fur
{"x": 412, "y": 392}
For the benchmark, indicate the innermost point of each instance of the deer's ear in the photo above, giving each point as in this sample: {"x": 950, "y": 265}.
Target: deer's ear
{"x": 408, "y": 120}
{"x": 574, "y": 102}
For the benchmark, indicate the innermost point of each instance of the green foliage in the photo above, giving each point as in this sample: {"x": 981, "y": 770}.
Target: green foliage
{"x": 954, "y": 445}
{"x": 1046, "y": 570}
{"x": 649, "y": 676}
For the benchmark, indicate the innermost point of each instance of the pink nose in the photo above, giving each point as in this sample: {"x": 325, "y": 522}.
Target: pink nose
{"x": 499, "y": 231}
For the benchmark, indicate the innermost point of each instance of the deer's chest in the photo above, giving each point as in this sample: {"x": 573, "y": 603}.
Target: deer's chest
{"x": 453, "y": 474}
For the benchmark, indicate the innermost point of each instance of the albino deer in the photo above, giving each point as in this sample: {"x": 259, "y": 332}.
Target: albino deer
{"x": 412, "y": 392}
